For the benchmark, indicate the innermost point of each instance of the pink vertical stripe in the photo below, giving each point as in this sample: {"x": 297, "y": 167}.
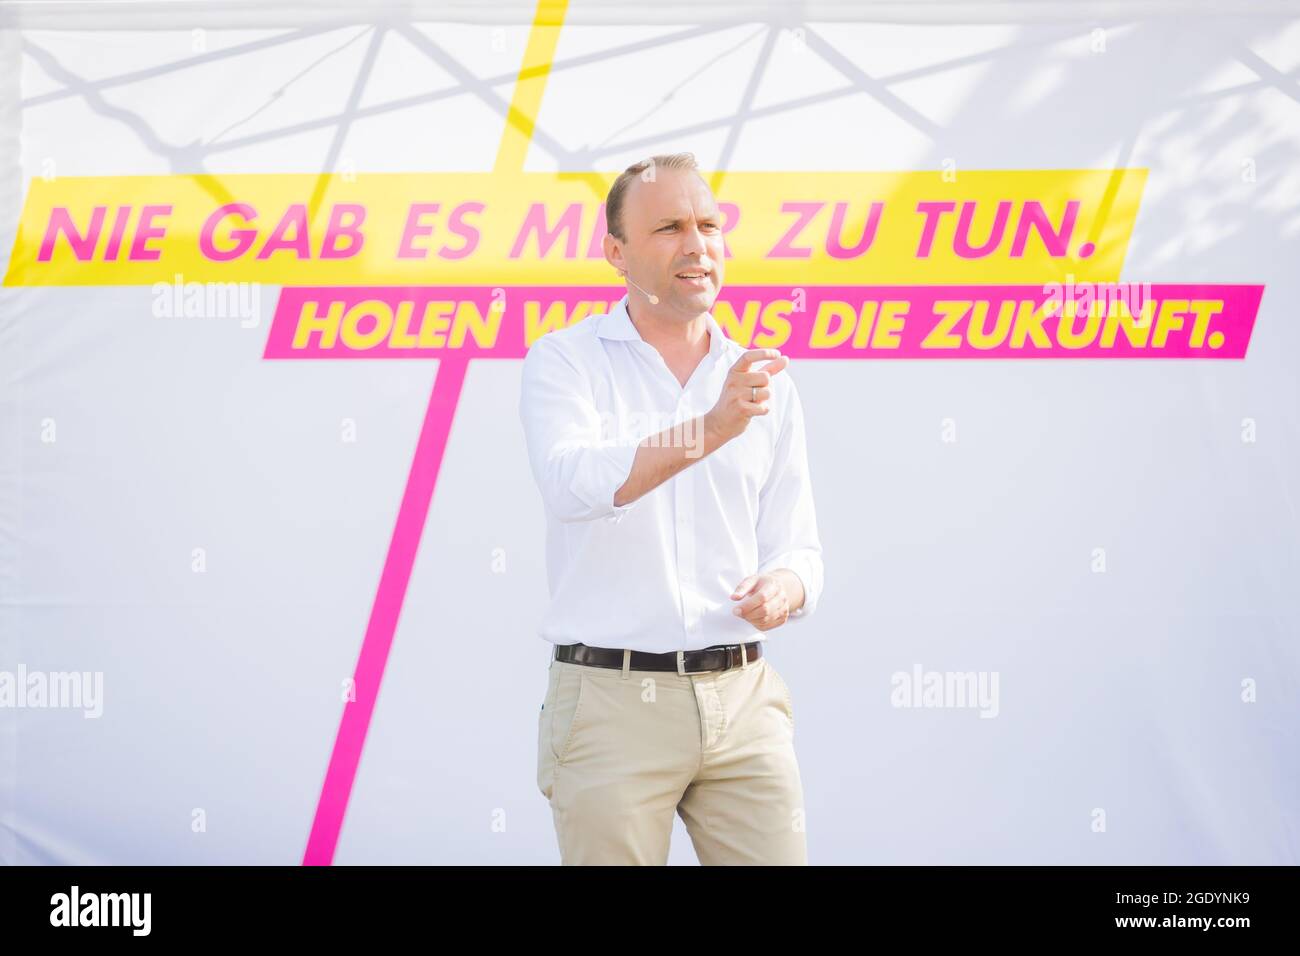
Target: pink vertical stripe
{"x": 351, "y": 737}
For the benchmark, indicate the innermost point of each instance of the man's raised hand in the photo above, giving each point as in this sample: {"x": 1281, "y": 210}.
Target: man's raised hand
{"x": 739, "y": 401}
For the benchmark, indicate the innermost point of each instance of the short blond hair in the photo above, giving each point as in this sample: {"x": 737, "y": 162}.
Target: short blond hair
{"x": 618, "y": 191}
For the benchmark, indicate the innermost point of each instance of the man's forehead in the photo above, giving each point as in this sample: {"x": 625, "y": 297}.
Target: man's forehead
{"x": 671, "y": 198}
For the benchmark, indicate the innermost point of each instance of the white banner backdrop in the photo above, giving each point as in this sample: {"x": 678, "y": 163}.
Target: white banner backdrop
{"x": 197, "y": 543}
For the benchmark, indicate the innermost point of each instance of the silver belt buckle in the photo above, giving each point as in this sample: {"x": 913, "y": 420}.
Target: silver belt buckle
{"x": 681, "y": 665}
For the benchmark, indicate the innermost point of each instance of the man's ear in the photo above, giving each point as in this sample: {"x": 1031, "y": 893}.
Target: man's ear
{"x": 613, "y": 252}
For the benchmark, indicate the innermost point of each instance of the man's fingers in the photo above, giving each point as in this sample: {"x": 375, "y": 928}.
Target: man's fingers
{"x": 754, "y": 355}
{"x": 760, "y": 376}
{"x": 755, "y": 600}
{"x": 744, "y": 587}
{"x": 772, "y": 368}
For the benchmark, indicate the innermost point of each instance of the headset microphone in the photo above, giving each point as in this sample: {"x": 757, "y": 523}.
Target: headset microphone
{"x": 654, "y": 299}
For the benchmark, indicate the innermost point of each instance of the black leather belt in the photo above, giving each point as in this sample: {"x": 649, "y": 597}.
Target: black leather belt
{"x": 719, "y": 657}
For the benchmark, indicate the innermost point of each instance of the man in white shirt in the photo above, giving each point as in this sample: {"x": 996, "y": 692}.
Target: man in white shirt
{"x": 680, "y": 530}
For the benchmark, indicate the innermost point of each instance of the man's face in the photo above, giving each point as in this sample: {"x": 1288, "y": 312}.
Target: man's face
{"x": 673, "y": 227}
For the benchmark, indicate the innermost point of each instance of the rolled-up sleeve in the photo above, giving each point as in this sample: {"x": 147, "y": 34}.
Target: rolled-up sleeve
{"x": 576, "y": 469}
{"x": 787, "y": 518}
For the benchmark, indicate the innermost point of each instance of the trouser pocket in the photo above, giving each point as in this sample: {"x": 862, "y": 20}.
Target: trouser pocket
{"x": 783, "y": 690}
{"x": 558, "y": 721}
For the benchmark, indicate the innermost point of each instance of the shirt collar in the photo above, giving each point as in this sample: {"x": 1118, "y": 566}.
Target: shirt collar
{"x": 618, "y": 325}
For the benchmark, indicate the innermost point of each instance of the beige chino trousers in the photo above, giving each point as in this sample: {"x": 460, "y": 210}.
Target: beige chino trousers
{"x": 619, "y": 752}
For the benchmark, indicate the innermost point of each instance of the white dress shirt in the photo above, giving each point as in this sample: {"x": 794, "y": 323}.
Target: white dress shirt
{"x": 657, "y": 574}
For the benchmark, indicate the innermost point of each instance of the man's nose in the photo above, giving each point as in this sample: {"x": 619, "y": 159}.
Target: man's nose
{"x": 693, "y": 242}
